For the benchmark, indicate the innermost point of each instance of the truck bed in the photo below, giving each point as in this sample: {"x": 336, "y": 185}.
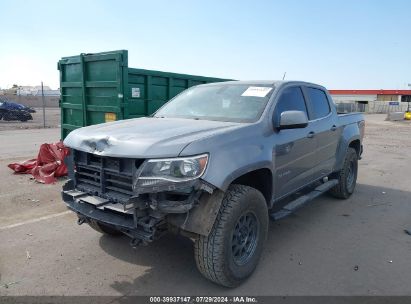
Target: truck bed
{"x": 350, "y": 118}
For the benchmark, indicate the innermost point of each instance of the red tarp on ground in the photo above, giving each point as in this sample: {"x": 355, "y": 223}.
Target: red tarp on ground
{"x": 48, "y": 165}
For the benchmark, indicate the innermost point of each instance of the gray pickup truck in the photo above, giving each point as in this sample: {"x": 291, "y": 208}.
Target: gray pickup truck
{"x": 214, "y": 164}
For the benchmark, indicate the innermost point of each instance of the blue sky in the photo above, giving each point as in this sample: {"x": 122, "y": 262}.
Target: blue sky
{"x": 342, "y": 44}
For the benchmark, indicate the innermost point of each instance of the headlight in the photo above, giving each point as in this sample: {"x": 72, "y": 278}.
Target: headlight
{"x": 163, "y": 171}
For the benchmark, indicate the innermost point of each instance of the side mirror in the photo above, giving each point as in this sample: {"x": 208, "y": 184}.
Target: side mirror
{"x": 293, "y": 120}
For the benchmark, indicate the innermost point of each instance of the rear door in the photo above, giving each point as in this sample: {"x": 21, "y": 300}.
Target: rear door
{"x": 294, "y": 150}
{"x": 324, "y": 123}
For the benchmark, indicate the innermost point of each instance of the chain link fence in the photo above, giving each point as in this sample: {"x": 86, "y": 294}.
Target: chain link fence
{"x": 371, "y": 107}
{"x": 29, "y": 112}
{"x": 12, "y": 111}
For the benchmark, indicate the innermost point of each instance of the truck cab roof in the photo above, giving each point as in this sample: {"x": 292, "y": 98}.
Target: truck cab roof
{"x": 272, "y": 83}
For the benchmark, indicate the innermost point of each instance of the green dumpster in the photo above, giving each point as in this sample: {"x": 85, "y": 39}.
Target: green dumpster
{"x": 97, "y": 88}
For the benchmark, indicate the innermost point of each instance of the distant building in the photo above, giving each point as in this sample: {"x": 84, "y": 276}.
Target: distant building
{"x": 377, "y": 101}
{"x": 36, "y": 91}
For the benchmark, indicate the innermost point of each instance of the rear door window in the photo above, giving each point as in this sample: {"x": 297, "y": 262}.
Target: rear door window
{"x": 319, "y": 103}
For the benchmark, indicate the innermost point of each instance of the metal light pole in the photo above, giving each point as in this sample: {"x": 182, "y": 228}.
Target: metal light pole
{"x": 408, "y": 106}
{"x": 44, "y": 105}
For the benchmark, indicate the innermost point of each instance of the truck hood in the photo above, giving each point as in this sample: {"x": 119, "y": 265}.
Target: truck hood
{"x": 145, "y": 137}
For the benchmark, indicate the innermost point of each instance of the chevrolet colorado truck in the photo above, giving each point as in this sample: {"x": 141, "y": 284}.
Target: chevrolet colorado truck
{"x": 214, "y": 164}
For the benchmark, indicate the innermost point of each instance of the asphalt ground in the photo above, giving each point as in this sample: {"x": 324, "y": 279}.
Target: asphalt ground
{"x": 329, "y": 247}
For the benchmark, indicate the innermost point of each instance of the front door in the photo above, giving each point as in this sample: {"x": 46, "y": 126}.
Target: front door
{"x": 294, "y": 149}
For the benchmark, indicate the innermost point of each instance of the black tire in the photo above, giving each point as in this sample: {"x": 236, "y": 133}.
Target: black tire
{"x": 218, "y": 256}
{"x": 347, "y": 177}
{"x": 7, "y": 117}
{"x": 104, "y": 228}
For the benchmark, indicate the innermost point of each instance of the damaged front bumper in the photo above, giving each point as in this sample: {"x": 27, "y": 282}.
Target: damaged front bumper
{"x": 144, "y": 217}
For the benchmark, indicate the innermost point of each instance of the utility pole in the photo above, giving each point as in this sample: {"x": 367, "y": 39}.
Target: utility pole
{"x": 408, "y": 106}
{"x": 44, "y": 105}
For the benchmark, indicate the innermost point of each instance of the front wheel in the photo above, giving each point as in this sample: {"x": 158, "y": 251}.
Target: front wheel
{"x": 230, "y": 253}
{"x": 347, "y": 177}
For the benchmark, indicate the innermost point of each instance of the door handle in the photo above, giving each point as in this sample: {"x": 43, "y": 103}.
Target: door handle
{"x": 333, "y": 128}
{"x": 311, "y": 134}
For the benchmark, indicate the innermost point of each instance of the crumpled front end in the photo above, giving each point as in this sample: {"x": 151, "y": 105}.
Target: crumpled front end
{"x": 105, "y": 189}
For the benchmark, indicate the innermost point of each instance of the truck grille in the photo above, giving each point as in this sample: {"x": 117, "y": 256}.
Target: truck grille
{"x": 107, "y": 177}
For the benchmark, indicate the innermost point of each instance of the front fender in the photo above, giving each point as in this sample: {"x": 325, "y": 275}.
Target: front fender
{"x": 234, "y": 154}
{"x": 244, "y": 170}
{"x": 201, "y": 218}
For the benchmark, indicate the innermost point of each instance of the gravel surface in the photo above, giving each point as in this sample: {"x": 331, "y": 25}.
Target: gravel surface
{"x": 330, "y": 247}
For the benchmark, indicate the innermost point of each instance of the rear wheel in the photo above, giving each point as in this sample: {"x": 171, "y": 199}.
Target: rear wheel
{"x": 7, "y": 116}
{"x": 104, "y": 228}
{"x": 347, "y": 177}
{"x": 230, "y": 253}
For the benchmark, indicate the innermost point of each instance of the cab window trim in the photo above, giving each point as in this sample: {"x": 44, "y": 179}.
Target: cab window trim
{"x": 307, "y": 97}
{"x": 273, "y": 114}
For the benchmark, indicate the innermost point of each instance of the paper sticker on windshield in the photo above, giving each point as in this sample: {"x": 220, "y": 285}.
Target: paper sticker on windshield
{"x": 257, "y": 91}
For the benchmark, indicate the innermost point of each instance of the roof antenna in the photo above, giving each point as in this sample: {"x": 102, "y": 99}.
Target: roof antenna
{"x": 285, "y": 73}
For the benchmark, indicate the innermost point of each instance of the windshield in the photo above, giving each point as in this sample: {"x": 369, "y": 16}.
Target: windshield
{"x": 225, "y": 102}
